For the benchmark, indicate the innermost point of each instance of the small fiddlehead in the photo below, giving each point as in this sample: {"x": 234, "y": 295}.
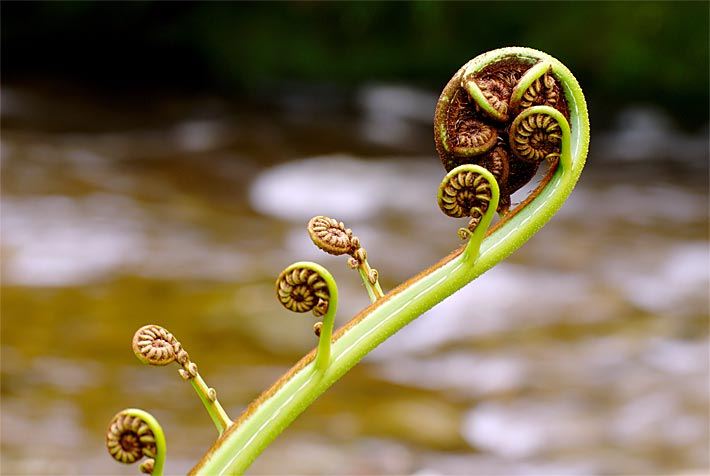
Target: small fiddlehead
{"x": 309, "y": 287}
{"x": 154, "y": 345}
{"x": 331, "y": 236}
{"x": 465, "y": 192}
{"x": 537, "y": 87}
{"x": 535, "y": 137}
{"x": 134, "y": 434}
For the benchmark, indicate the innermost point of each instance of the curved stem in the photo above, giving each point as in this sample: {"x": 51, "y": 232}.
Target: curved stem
{"x": 276, "y": 408}
{"x": 155, "y": 345}
{"x": 477, "y": 95}
{"x": 160, "y": 444}
{"x": 526, "y": 81}
{"x": 326, "y": 332}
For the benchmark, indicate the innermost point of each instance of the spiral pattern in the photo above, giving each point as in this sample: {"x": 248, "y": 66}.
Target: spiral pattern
{"x": 471, "y": 132}
{"x": 302, "y": 290}
{"x": 542, "y": 92}
{"x": 465, "y": 194}
{"x": 129, "y": 439}
{"x": 469, "y": 136}
{"x": 154, "y": 345}
{"x": 536, "y": 137}
{"x": 330, "y": 235}
{"x": 497, "y": 89}
{"x": 497, "y": 163}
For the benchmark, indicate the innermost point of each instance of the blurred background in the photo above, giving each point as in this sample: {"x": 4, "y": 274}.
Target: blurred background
{"x": 160, "y": 161}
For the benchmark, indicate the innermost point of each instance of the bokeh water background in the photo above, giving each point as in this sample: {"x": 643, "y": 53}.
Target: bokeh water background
{"x": 586, "y": 352}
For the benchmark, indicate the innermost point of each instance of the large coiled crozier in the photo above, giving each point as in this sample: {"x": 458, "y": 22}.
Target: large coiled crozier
{"x": 478, "y": 121}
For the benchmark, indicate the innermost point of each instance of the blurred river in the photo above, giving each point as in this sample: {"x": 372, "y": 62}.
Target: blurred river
{"x": 584, "y": 353}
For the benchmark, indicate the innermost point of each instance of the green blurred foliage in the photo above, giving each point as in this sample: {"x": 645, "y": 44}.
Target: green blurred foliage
{"x": 653, "y": 52}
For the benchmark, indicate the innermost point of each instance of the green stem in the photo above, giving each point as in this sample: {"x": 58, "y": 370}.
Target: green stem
{"x": 322, "y": 359}
{"x": 237, "y": 448}
{"x": 214, "y": 408}
{"x": 374, "y": 291}
{"x": 160, "y": 445}
{"x": 526, "y": 81}
{"x": 477, "y": 95}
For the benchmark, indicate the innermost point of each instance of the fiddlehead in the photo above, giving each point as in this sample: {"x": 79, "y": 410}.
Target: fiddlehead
{"x": 491, "y": 96}
{"x": 331, "y": 236}
{"x": 134, "y": 434}
{"x": 302, "y": 289}
{"x": 309, "y": 287}
{"x": 459, "y": 131}
{"x": 154, "y": 345}
{"x": 538, "y": 87}
{"x": 535, "y": 137}
{"x": 465, "y": 193}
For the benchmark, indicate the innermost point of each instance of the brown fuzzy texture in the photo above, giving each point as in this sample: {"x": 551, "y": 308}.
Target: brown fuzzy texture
{"x": 458, "y": 119}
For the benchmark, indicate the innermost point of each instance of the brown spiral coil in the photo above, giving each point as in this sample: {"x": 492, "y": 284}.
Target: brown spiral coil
{"x": 465, "y": 194}
{"x": 468, "y": 133}
{"x": 302, "y": 290}
{"x": 497, "y": 163}
{"x": 154, "y": 345}
{"x": 536, "y": 137}
{"x": 544, "y": 91}
{"x": 497, "y": 89}
{"x": 129, "y": 439}
{"x": 330, "y": 235}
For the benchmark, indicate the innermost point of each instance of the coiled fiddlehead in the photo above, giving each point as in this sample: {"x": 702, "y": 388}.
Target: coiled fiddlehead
{"x": 134, "y": 434}
{"x": 536, "y": 137}
{"x": 461, "y": 133}
{"x": 307, "y": 286}
{"x": 538, "y": 87}
{"x": 331, "y": 236}
{"x": 491, "y": 96}
{"x": 303, "y": 290}
{"x": 155, "y": 345}
{"x": 465, "y": 192}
